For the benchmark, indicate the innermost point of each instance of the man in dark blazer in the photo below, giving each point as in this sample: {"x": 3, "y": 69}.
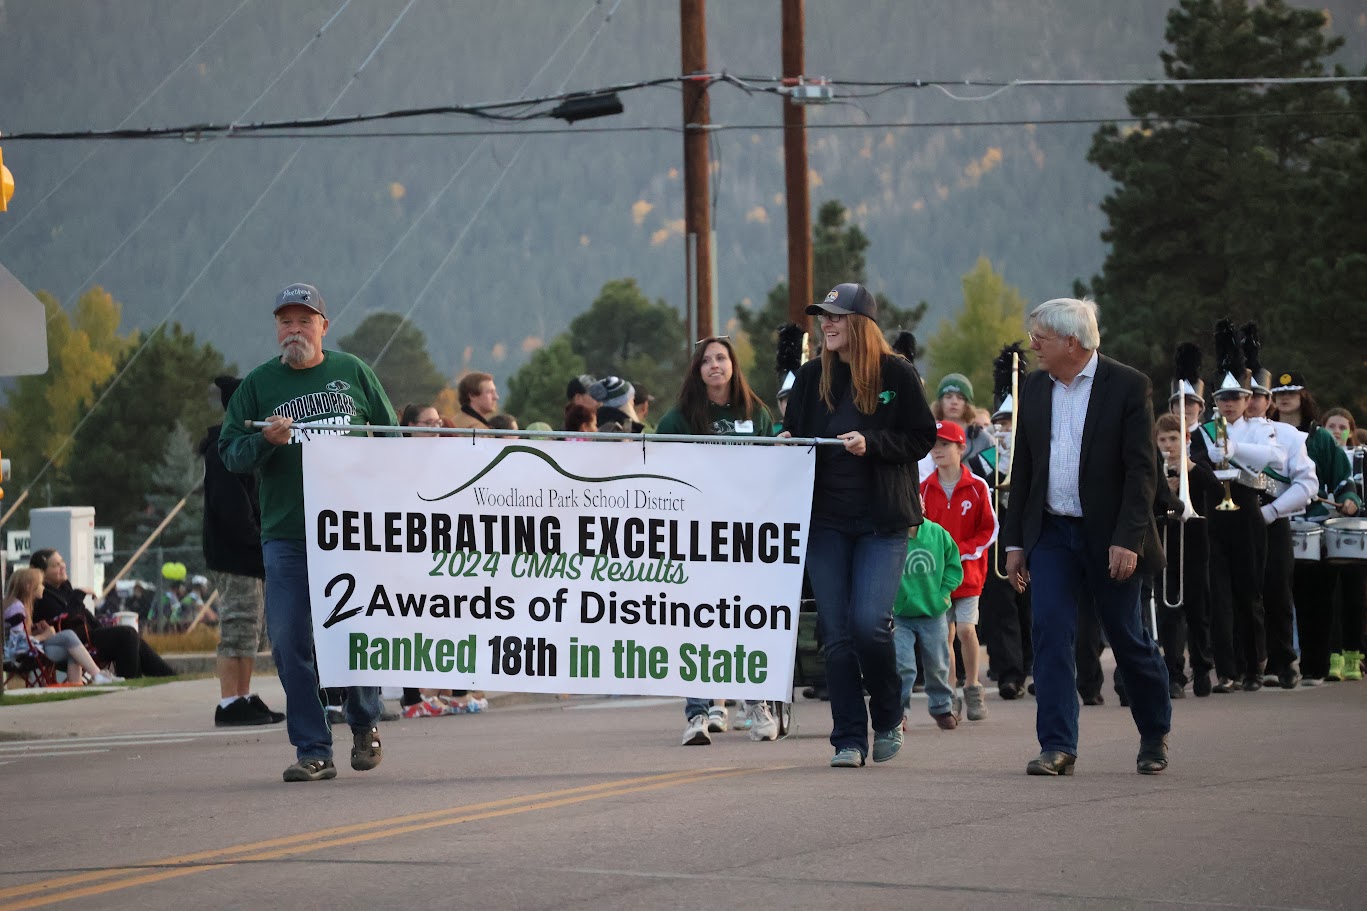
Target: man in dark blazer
{"x": 1080, "y": 526}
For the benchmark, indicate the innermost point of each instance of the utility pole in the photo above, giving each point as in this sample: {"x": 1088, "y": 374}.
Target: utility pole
{"x": 697, "y": 215}
{"x": 795, "y": 168}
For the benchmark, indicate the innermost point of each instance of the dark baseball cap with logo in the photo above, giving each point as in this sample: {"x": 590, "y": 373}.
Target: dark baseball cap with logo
{"x": 303, "y": 296}
{"x": 845, "y": 299}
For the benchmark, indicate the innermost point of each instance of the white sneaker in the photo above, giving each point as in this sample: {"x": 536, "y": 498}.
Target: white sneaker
{"x": 763, "y": 726}
{"x": 105, "y": 679}
{"x": 716, "y": 719}
{"x": 695, "y": 735}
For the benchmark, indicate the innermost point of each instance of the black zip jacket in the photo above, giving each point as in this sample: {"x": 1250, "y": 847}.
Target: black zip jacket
{"x": 897, "y": 435}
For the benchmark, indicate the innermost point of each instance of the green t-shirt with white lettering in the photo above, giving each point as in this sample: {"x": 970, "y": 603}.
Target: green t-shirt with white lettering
{"x": 723, "y": 420}
{"x": 340, "y": 391}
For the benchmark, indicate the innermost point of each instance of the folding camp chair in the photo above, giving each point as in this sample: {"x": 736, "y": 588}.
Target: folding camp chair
{"x": 32, "y": 667}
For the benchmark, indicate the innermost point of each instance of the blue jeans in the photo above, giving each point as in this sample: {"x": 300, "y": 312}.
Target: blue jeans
{"x": 694, "y": 707}
{"x": 933, "y": 635}
{"x": 1066, "y": 568}
{"x": 854, "y": 573}
{"x": 290, "y": 621}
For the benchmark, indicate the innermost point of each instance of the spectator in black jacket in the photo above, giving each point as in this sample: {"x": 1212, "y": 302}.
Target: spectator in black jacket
{"x": 232, "y": 547}
{"x": 63, "y": 607}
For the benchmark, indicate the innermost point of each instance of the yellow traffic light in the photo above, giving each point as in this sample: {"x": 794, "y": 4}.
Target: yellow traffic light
{"x": 6, "y": 183}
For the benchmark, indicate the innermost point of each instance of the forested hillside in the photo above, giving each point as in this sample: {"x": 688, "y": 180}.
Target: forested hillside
{"x": 533, "y": 227}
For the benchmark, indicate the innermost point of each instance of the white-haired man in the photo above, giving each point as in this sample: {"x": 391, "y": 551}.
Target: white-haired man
{"x": 1080, "y": 526}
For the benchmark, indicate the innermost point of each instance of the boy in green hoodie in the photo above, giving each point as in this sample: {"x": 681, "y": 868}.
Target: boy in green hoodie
{"x": 932, "y": 570}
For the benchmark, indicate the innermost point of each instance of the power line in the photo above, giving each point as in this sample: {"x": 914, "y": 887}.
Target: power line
{"x": 138, "y": 107}
{"x": 487, "y": 196}
{"x": 460, "y": 170}
{"x": 212, "y": 259}
{"x": 494, "y": 110}
{"x": 166, "y": 197}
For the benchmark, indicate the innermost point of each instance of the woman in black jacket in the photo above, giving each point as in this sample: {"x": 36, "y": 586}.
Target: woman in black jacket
{"x": 865, "y": 498}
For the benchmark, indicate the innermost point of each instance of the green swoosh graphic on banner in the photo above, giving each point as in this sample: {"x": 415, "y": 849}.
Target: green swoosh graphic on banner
{"x": 511, "y": 450}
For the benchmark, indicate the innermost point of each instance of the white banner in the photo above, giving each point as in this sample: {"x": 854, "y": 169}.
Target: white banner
{"x": 557, "y": 566}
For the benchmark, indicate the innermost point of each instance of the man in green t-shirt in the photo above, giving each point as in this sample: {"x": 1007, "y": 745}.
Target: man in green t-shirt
{"x": 302, "y": 392}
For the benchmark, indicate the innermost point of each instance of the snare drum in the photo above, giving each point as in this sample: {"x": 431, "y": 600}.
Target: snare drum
{"x": 1307, "y": 541}
{"x": 1345, "y": 539}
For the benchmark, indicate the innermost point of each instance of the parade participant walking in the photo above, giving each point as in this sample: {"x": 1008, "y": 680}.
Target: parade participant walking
{"x": 1314, "y": 582}
{"x": 232, "y": 546}
{"x": 305, "y": 389}
{"x": 1080, "y": 525}
{"x": 1238, "y": 536}
{"x": 960, "y": 503}
{"x": 863, "y": 502}
{"x": 931, "y": 572}
{"x": 717, "y": 401}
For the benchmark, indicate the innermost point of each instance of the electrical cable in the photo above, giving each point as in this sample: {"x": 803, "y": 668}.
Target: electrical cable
{"x": 487, "y": 196}
{"x": 122, "y": 123}
{"x": 147, "y": 339}
{"x": 460, "y": 170}
{"x": 166, "y": 197}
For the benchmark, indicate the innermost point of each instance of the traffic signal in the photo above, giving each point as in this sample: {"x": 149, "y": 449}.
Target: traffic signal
{"x": 6, "y": 183}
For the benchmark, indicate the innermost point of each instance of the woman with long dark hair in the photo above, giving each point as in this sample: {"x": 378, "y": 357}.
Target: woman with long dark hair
{"x": 717, "y": 401}
{"x": 865, "y": 498}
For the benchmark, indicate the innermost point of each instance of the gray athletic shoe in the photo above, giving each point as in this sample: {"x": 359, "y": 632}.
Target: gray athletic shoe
{"x": 973, "y": 698}
{"x": 887, "y": 744}
{"x": 848, "y": 758}
{"x": 695, "y": 735}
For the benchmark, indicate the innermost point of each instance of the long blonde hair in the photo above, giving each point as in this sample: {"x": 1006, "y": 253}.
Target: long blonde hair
{"x": 24, "y": 586}
{"x": 865, "y": 347}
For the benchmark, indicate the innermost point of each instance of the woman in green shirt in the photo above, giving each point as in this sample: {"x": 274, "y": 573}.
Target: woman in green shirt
{"x": 717, "y": 401}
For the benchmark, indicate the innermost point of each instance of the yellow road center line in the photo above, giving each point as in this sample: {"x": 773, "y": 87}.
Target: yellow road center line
{"x": 338, "y": 836}
{"x": 218, "y": 853}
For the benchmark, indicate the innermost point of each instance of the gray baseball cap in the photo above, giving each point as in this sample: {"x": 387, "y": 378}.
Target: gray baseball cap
{"x": 304, "y": 296}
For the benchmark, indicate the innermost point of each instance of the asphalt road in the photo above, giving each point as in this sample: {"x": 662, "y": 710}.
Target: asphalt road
{"x": 593, "y": 804}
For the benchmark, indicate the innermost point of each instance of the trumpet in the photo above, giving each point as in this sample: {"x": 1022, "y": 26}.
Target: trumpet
{"x": 1002, "y": 485}
{"x": 1222, "y": 436}
{"x": 1188, "y": 512}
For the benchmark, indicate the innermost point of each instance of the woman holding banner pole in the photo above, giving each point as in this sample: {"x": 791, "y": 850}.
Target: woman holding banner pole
{"x": 864, "y": 499}
{"x": 717, "y": 401}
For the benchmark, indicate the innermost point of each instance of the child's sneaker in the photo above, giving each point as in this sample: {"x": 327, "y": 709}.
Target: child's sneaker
{"x": 716, "y": 719}
{"x": 973, "y": 696}
{"x": 695, "y": 735}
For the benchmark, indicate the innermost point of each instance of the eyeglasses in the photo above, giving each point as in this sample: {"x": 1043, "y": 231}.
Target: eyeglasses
{"x": 1041, "y": 339}
{"x": 711, "y": 338}
{"x": 832, "y": 317}
{"x": 434, "y": 423}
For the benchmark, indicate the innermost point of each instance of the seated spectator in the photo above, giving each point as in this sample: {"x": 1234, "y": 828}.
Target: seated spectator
{"x": 24, "y": 636}
{"x": 642, "y": 401}
{"x": 577, "y": 392}
{"x": 503, "y": 422}
{"x": 63, "y": 607}
{"x": 478, "y": 400}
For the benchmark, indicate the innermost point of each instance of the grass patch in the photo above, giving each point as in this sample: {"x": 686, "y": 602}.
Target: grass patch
{"x": 58, "y": 695}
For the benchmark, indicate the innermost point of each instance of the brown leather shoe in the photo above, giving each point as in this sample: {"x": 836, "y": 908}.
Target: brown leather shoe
{"x": 1153, "y": 755}
{"x": 1051, "y": 762}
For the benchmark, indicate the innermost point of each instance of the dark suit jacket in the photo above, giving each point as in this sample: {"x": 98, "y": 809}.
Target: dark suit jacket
{"x": 1117, "y": 474}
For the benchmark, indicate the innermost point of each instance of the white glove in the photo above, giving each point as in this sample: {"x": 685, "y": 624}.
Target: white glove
{"x": 1230, "y": 449}
{"x": 1269, "y": 514}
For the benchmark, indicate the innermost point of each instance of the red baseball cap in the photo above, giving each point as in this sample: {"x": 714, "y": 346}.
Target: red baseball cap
{"x": 948, "y": 430}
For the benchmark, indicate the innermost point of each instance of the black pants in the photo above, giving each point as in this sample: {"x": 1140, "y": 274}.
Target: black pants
{"x": 1006, "y": 628}
{"x": 1186, "y": 629}
{"x": 131, "y": 655}
{"x": 1314, "y": 585}
{"x": 1238, "y": 555}
{"x": 1278, "y": 614}
{"x": 1346, "y": 635}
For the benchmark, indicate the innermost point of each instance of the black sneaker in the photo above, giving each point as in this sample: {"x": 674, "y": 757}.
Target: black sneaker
{"x": 240, "y": 713}
{"x": 264, "y": 710}
{"x": 366, "y": 751}
{"x": 311, "y": 770}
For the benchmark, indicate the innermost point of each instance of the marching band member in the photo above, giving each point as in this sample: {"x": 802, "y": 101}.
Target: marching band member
{"x": 1238, "y": 535}
{"x": 1314, "y": 582}
{"x": 1005, "y": 611}
{"x": 1285, "y": 495}
{"x": 1188, "y": 628}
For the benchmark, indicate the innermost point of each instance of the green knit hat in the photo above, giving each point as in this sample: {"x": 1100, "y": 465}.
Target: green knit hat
{"x": 956, "y": 382}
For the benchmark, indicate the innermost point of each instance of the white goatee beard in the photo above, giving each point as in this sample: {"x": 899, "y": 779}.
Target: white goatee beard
{"x": 296, "y": 350}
